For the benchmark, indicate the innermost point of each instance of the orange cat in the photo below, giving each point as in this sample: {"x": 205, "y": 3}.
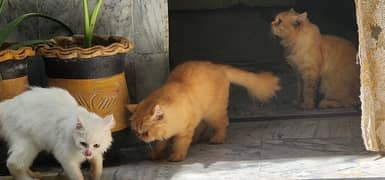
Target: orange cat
{"x": 194, "y": 91}
{"x": 322, "y": 60}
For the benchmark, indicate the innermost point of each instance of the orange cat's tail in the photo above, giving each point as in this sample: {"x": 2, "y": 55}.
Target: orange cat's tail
{"x": 262, "y": 85}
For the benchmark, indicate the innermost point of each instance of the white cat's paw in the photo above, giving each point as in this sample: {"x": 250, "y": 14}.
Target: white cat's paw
{"x": 34, "y": 174}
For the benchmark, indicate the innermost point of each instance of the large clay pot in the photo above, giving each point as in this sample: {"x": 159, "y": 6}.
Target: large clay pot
{"x": 13, "y": 71}
{"x": 94, "y": 76}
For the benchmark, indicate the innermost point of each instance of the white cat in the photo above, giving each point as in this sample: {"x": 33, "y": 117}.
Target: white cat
{"x": 49, "y": 119}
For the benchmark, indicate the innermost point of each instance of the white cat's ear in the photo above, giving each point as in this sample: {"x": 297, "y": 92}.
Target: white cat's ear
{"x": 157, "y": 113}
{"x": 131, "y": 107}
{"x": 79, "y": 124}
{"x": 109, "y": 121}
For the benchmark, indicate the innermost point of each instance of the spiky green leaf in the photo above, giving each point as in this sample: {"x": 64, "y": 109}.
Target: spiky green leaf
{"x": 86, "y": 23}
{"x": 2, "y": 3}
{"x": 10, "y": 27}
{"x": 94, "y": 15}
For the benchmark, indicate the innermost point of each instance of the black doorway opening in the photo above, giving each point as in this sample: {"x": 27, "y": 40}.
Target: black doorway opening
{"x": 238, "y": 33}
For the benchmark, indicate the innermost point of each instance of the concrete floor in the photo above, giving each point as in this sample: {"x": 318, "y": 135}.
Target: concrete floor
{"x": 281, "y": 149}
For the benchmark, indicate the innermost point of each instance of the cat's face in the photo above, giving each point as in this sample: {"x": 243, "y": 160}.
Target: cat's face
{"x": 92, "y": 134}
{"x": 149, "y": 123}
{"x": 287, "y": 24}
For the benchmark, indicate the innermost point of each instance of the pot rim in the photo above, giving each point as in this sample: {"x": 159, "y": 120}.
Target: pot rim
{"x": 57, "y": 47}
{"x": 16, "y": 54}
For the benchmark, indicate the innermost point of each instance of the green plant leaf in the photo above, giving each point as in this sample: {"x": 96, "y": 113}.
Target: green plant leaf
{"x": 86, "y": 24}
{"x": 10, "y": 27}
{"x": 27, "y": 43}
{"x": 94, "y": 15}
{"x": 2, "y": 3}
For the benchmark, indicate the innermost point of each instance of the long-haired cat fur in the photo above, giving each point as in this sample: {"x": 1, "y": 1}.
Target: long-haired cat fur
{"x": 49, "y": 119}
{"x": 194, "y": 91}
{"x": 326, "y": 63}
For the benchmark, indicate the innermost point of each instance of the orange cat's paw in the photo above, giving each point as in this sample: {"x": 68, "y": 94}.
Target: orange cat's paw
{"x": 176, "y": 157}
{"x": 217, "y": 140}
{"x": 329, "y": 104}
{"x": 307, "y": 105}
{"x": 156, "y": 155}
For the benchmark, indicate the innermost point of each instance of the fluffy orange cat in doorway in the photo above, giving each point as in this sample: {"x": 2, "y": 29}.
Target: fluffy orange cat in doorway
{"x": 194, "y": 91}
{"x": 326, "y": 63}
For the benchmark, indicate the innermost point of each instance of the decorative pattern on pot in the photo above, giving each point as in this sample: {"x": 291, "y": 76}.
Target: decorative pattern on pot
{"x": 94, "y": 76}
{"x": 13, "y": 71}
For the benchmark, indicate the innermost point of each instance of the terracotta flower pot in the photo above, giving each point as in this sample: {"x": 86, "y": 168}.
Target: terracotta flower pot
{"x": 13, "y": 71}
{"x": 94, "y": 76}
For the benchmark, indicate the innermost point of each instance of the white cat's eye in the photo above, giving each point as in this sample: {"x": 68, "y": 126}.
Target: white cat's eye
{"x": 96, "y": 145}
{"x": 84, "y": 144}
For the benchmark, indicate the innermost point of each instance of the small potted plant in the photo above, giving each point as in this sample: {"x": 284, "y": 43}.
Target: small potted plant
{"x": 91, "y": 68}
{"x": 14, "y": 56}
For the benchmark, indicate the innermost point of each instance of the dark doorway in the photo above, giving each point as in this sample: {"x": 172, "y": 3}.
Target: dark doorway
{"x": 238, "y": 33}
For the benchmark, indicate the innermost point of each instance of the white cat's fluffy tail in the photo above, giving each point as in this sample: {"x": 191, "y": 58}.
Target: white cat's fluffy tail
{"x": 262, "y": 85}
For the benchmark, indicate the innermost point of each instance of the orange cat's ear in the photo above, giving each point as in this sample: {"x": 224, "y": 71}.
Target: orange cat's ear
{"x": 131, "y": 107}
{"x": 157, "y": 113}
{"x": 300, "y": 19}
{"x": 292, "y": 10}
